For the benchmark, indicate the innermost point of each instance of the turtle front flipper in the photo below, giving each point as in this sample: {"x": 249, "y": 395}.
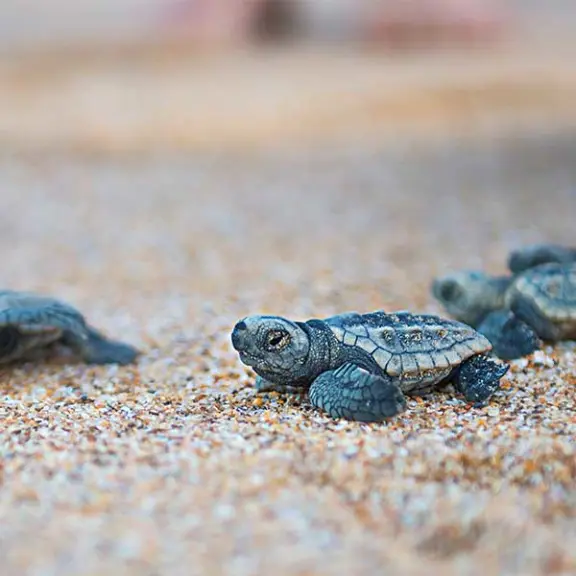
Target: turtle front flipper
{"x": 95, "y": 348}
{"x": 523, "y": 259}
{"x": 529, "y": 312}
{"x": 510, "y": 337}
{"x": 355, "y": 394}
{"x": 478, "y": 378}
{"x": 10, "y": 344}
{"x": 29, "y": 324}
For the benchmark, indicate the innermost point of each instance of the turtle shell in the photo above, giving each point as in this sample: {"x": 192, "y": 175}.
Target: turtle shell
{"x": 32, "y": 313}
{"x": 549, "y": 290}
{"x": 413, "y": 347}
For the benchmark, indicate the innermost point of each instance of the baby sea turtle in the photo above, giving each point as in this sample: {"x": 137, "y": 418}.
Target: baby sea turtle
{"x": 527, "y": 257}
{"x": 515, "y": 313}
{"x": 360, "y": 366}
{"x": 30, "y": 323}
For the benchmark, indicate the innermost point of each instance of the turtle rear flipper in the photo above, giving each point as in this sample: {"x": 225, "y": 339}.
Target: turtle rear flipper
{"x": 98, "y": 349}
{"x": 478, "y": 378}
{"x": 510, "y": 337}
{"x": 355, "y": 394}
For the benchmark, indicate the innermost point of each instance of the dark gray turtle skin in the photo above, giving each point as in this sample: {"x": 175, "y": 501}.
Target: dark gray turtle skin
{"x": 516, "y": 313}
{"x": 545, "y": 298}
{"x": 361, "y": 366}
{"x": 510, "y": 337}
{"x": 469, "y": 295}
{"x": 528, "y": 257}
{"x": 30, "y": 323}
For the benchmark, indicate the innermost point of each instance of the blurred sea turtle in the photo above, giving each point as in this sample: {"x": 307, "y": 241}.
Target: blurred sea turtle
{"x": 360, "y": 366}
{"x": 527, "y": 257}
{"x": 30, "y": 323}
{"x": 515, "y": 313}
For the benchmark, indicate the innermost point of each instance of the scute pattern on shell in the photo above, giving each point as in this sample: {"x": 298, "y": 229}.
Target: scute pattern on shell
{"x": 551, "y": 288}
{"x": 409, "y": 344}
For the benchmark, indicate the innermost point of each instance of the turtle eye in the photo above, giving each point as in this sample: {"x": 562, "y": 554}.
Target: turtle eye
{"x": 450, "y": 291}
{"x": 277, "y": 339}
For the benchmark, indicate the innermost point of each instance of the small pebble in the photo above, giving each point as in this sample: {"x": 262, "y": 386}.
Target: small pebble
{"x": 541, "y": 359}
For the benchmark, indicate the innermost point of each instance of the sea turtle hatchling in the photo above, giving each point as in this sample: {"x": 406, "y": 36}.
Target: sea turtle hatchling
{"x": 360, "y": 366}
{"x": 514, "y": 312}
{"x": 30, "y": 323}
{"x": 521, "y": 259}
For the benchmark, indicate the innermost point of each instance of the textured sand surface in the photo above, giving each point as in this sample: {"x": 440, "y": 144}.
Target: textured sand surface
{"x": 175, "y": 466}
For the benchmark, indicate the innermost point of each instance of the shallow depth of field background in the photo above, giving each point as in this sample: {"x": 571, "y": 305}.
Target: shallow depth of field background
{"x": 168, "y": 187}
{"x": 135, "y": 75}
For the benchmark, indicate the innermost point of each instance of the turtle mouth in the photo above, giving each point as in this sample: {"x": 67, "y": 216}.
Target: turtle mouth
{"x": 248, "y": 358}
{"x": 265, "y": 369}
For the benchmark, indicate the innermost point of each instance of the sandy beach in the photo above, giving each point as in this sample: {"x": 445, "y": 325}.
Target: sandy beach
{"x": 167, "y": 195}
{"x": 176, "y": 466}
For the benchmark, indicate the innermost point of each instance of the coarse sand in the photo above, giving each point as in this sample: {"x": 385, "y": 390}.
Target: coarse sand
{"x": 176, "y": 466}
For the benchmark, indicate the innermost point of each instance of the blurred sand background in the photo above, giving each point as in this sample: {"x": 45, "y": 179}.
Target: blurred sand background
{"x": 99, "y": 76}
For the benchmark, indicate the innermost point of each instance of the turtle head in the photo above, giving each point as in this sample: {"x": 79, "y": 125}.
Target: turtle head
{"x": 274, "y": 347}
{"x": 469, "y": 295}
